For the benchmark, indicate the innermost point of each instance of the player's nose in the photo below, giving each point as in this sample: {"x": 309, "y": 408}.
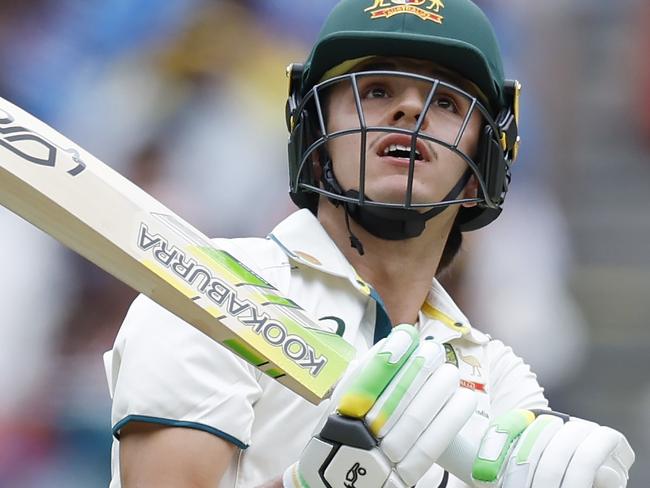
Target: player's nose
{"x": 409, "y": 108}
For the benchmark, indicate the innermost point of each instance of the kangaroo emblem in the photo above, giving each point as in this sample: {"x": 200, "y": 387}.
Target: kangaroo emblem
{"x": 436, "y": 5}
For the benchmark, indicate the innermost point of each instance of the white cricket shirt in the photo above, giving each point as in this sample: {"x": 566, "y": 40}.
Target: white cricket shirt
{"x": 162, "y": 370}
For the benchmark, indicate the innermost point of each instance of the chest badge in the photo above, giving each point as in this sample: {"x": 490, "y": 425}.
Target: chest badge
{"x": 451, "y": 354}
{"x": 472, "y": 361}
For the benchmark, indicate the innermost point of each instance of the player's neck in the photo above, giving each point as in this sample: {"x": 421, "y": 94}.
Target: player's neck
{"x": 400, "y": 271}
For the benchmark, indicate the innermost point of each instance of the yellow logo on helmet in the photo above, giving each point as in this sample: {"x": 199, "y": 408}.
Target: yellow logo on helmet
{"x": 387, "y": 8}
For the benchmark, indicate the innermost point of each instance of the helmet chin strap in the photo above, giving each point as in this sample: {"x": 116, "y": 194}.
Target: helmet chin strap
{"x": 393, "y": 224}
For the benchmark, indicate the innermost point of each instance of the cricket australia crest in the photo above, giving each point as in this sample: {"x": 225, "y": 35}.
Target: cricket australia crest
{"x": 425, "y": 9}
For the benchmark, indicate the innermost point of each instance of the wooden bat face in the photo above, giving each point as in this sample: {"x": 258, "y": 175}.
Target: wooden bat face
{"x": 71, "y": 195}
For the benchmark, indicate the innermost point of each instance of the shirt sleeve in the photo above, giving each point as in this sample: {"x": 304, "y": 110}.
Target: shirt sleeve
{"x": 512, "y": 383}
{"x": 162, "y": 370}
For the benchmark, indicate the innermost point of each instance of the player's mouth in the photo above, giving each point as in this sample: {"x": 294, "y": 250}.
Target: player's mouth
{"x": 396, "y": 148}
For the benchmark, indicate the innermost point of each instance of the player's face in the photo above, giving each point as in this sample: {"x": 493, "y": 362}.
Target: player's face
{"x": 394, "y": 101}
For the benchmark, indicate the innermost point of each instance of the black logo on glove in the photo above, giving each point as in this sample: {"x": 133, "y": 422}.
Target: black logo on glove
{"x": 353, "y": 474}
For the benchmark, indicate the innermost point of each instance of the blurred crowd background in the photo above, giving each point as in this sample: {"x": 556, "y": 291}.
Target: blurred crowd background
{"x": 186, "y": 98}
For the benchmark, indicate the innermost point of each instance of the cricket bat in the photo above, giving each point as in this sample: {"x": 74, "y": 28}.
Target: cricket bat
{"x": 71, "y": 195}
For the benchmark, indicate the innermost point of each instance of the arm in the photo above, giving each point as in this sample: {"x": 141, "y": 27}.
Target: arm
{"x": 162, "y": 369}
{"x": 512, "y": 383}
{"x": 166, "y": 457}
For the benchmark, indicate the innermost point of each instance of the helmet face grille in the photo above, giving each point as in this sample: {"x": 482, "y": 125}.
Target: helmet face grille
{"x": 313, "y": 135}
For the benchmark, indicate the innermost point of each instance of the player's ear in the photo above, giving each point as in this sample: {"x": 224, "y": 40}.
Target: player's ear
{"x": 471, "y": 191}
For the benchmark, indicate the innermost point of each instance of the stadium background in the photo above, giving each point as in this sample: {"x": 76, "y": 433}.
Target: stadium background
{"x": 186, "y": 98}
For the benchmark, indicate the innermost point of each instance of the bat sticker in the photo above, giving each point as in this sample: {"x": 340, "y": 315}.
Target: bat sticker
{"x": 44, "y": 153}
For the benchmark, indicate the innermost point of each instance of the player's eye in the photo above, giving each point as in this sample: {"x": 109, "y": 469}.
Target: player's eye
{"x": 376, "y": 92}
{"x": 446, "y": 103}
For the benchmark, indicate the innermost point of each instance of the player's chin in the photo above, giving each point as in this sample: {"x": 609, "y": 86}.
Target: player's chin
{"x": 394, "y": 191}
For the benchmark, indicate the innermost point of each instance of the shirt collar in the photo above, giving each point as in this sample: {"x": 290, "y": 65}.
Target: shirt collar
{"x": 304, "y": 240}
{"x": 441, "y": 318}
{"x": 306, "y": 243}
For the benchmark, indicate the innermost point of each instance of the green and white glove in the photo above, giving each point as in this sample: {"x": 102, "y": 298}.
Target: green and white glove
{"x": 397, "y": 410}
{"x": 545, "y": 449}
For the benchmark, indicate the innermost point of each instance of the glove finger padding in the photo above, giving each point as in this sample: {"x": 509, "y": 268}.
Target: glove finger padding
{"x": 364, "y": 385}
{"x": 603, "y": 447}
{"x": 558, "y": 453}
{"x": 405, "y": 387}
{"x": 619, "y": 462}
{"x": 438, "y": 435}
{"x": 529, "y": 449}
{"x": 433, "y": 396}
{"x": 497, "y": 444}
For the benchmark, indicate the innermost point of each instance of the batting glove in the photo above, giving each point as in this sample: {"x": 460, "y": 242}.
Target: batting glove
{"x": 545, "y": 449}
{"x": 397, "y": 410}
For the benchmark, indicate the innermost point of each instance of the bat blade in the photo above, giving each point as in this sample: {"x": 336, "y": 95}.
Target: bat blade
{"x": 90, "y": 208}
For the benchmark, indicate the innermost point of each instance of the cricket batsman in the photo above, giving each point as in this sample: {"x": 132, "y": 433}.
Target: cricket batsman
{"x": 402, "y": 133}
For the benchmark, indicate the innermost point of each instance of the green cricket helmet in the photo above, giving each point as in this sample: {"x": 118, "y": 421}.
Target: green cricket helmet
{"x": 453, "y": 34}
